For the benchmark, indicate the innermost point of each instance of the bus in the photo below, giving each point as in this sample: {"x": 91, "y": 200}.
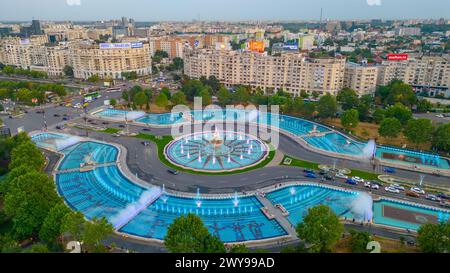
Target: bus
{"x": 93, "y": 95}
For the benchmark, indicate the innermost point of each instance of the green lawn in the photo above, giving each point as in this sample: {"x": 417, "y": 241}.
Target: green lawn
{"x": 109, "y": 131}
{"x": 315, "y": 166}
{"x": 164, "y": 140}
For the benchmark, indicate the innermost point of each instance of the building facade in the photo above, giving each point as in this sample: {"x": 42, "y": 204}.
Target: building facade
{"x": 110, "y": 60}
{"x": 292, "y": 72}
{"x": 361, "y": 78}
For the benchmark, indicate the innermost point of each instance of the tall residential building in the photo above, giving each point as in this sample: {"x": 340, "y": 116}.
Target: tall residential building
{"x": 291, "y": 72}
{"x": 110, "y": 60}
{"x": 430, "y": 74}
{"x": 361, "y": 77}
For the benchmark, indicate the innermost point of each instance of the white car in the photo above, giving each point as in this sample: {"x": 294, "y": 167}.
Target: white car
{"x": 392, "y": 189}
{"x": 367, "y": 184}
{"x": 358, "y": 179}
{"x": 375, "y": 186}
{"x": 341, "y": 175}
{"x": 417, "y": 190}
{"x": 398, "y": 187}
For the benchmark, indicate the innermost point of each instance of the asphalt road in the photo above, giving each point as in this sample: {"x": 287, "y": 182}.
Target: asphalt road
{"x": 32, "y": 121}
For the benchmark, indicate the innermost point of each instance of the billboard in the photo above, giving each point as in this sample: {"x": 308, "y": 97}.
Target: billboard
{"x": 291, "y": 45}
{"x": 397, "y": 57}
{"x": 120, "y": 45}
{"x": 256, "y": 46}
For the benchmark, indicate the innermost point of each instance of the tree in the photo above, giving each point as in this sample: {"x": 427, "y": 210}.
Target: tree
{"x": 419, "y": 130}
{"x": 378, "y": 115}
{"x": 179, "y": 98}
{"x": 161, "y": 100}
{"x": 206, "y": 96}
{"x": 94, "y": 78}
{"x": 441, "y": 137}
{"x": 239, "y": 248}
{"x": 68, "y": 71}
{"x": 359, "y": 241}
{"x": 423, "y": 106}
{"x": 51, "y": 228}
{"x": 166, "y": 92}
{"x": 327, "y": 106}
{"x": 94, "y": 233}
{"x": 241, "y": 95}
{"x": 350, "y": 119}
{"x": 434, "y": 238}
{"x": 224, "y": 96}
{"x": 178, "y": 63}
{"x": 113, "y": 102}
{"x": 27, "y": 154}
{"x": 188, "y": 234}
{"x": 348, "y": 98}
{"x": 321, "y": 228}
{"x": 73, "y": 225}
{"x": 38, "y": 248}
{"x": 140, "y": 99}
{"x": 28, "y": 201}
{"x": 297, "y": 104}
{"x": 400, "y": 112}
{"x": 390, "y": 127}
{"x": 397, "y": 92}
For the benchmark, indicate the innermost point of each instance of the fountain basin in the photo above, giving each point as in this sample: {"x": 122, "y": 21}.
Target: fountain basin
{"x": 216, "y": 151}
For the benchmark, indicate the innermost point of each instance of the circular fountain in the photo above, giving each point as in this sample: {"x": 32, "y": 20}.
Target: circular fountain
{"x": 216, "y": 151}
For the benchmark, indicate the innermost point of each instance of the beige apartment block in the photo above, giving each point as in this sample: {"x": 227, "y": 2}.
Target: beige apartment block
{"x": 91, "y": 59}
{"x": 291, "y": 72}
{"x": 361, "y": 78}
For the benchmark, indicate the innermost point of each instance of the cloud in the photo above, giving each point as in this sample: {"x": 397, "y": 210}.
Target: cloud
{"x": 73, "y": 2}
{"x": 374, "y": 2}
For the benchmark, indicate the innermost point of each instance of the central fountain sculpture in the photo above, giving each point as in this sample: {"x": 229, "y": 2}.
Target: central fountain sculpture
{"x": 216, "y": 151}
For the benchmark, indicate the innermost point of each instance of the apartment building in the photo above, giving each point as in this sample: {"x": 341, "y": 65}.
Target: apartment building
{"x": 361, "y": 77}
{"x": 430, "y": 74}
{"x": 292, "y": 72}
{"x": 109, "y": 60}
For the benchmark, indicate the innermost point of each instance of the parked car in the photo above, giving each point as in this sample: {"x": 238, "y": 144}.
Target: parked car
{"x": 65, "y": 118}
{"x": 146, "y": 129}
{"x": 398, "y": 187}
{"x": 310, "y": 175}
{"x": 389, "y": 170}
{"x": 60, "y": 127}
{"x": 308, "y": 171}
{"x": 172, "y": 171}
{"x": 322, "y": 172}
{"x": 121, "y": 126}
{"x": 341, "y": 175}
{"x": 412, "y": 193}
{"x": 115, "y": 135}
{"x": 443, "y": 196}
{"x": 351, "y": 181}
{"x": 375, "y": 186}
{"x": 145, "y": 143}
{"x": 432, "y": 197}
{"x": 392, "y": 189}
{"x": 328, "y": 177}
{"x": 358, "y": 179}
{"x": 105, "y": 123}
{"x": 367, "y": 184}
{"x": 417, "y": 190}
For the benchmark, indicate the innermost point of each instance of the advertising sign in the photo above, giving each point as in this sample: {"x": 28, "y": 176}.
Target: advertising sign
{"x": 24, "y": 41}
{"x": 291, "y": 45}
{"x": 397, "y": 57}
{"x": 256, "y": 46}
{"x": 120, "y": 45}
{"x": 136, "y": 45}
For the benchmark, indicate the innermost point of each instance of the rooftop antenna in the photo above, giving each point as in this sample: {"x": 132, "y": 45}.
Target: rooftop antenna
{"x": 321, "y": 13}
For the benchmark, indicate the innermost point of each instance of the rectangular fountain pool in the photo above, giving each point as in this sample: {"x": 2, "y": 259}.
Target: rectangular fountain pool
{"x": 222, "y": 218}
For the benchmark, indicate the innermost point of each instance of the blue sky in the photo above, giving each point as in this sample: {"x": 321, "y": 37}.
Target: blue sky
{"x": 158, "y": 10}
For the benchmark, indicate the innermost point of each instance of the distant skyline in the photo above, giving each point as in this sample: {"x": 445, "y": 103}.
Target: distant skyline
{"x": 223, "y": 10}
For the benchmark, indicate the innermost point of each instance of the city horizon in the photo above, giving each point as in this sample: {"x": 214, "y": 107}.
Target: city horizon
{"x": 232, "y": 10}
